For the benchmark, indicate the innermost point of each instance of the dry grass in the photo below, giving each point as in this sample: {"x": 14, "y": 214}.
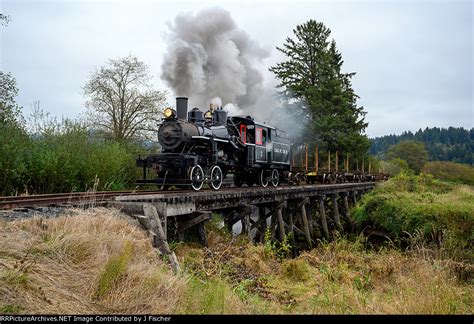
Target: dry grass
{"x": 335, "y": 278}
{"x": 97, "y": 261}
{"x": 349, "y": 279}
{"x": 66, "y": 265}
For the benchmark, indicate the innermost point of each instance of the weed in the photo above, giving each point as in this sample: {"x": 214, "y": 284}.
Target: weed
{"x": 295, "y": 269}
{"x": 14, "y": 277}
{"x": 242, "y": 289}
{"x": 11, "y": 309}
{"x": 114, "y": 269}
{"x": 363, "y": 282}
{"x": 280, "y": 249}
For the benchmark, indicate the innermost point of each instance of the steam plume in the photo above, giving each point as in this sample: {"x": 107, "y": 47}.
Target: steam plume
{"x": 209, "y": 56}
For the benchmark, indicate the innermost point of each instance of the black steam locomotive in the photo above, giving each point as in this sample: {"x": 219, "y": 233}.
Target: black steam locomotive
{"x": 200, "y": 148}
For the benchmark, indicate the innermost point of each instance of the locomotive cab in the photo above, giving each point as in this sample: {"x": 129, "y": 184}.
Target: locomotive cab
{"x": 266, "y": 152}
{"x": 265, "y": 146}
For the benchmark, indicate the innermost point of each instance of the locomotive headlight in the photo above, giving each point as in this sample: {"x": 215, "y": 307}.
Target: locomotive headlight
{"x": 169, "y": 113}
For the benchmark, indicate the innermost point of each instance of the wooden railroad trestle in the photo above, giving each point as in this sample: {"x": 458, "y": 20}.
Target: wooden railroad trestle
{"x": 302, "y": 214}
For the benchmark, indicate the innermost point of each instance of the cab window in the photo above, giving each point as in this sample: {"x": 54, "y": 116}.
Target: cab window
{"x": 258, "y": 136}
{"x": 243, "y": 133}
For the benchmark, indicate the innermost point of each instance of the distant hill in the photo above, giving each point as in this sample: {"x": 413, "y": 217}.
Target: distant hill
{"x": 451, "y": 144}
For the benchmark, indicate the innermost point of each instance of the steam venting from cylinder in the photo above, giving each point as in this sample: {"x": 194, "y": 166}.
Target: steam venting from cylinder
{"x": 182, "y": 107}
{"x": 209, "y": 56}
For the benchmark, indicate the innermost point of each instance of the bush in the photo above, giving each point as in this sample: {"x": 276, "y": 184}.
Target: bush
{"x": 63, "y": 160}
{"x": 14, "y": 149}
{"x": 73, "y": 161}
{"x": 449, "y": 171}
{"x": 410, "y": 205}
{"x": 394, "y": 166}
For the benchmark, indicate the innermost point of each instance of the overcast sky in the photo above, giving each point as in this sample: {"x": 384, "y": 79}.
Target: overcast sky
{"x": 413, "y": 59}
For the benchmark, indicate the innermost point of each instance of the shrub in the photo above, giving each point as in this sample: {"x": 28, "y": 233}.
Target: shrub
{"x": 14, "y": 149}
{"x": 449, "y": 171}
{"x": 275, "y": 248}
{"x": 410, "y": 205}
{"x": 62, "y": 160}
{"x": 394, "y": 166}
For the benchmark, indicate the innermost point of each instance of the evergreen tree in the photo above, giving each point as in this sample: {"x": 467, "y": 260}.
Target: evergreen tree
{"x": 443, "y": 144}
{"x": 318, "y": 93}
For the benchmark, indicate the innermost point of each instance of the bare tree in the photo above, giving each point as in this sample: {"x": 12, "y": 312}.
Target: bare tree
{"x": 122, "y": 100}
{"x": 4, "y": 19}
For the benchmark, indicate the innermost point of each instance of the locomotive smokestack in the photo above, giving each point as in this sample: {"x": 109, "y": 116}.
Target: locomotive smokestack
{"x": 182, "y": 107}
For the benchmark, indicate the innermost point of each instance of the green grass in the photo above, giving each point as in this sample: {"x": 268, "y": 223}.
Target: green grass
{"x": 295, "y": 270}
{"x": 206, "y": 297}
{"x": 10, "y": 309}
{"x": 422, "y": 209}
{"x": 115, "y": 267}
{"x": 13, "y": 277}
{"x": 449, "y": 171}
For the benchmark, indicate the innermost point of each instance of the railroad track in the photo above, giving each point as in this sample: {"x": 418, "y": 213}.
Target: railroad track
{"x": 89, "y": 198}
{"x": 62, "y": 199}
{"x": 75, "y": 198}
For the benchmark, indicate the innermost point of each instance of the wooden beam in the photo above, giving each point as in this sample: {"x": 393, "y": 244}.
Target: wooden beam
{"x": 316, "y": 159}
{"x": 301, "y": 156}
{"x": 346, "y": 208}
{"x": 304, "y": 219}
{"x": 246, "y": 230}
{"x": 291, "y": 226}
{"x": 336, "y": 212}
{"x": 297, "y": 230}
{"x": 261, "y": 223}
{"x": 202, "y": 217}
{"x": 322, "y": 214}
{"x": 273, "y": 223}
{"x": 230, "y": 219}
{"x": 300, "y": 203}
{"x": 202, "y": 234}
{"x": 306, "y": 157}
{"x": 159, "y": 238}
{"x": 329, "y": 161}
{"x": 281, "y": 224}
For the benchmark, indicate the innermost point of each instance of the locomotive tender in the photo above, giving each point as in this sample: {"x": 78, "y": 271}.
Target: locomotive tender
{"x": 202, "y": 148}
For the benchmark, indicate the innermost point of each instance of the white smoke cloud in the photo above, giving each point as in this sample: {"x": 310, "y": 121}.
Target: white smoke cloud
{"x": 209, "y": 56}
{"x": 233, "y": 110}
{"x": 217, "y": 102}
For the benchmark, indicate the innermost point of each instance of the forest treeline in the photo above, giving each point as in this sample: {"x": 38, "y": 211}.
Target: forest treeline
{"x": 443, "y": 144}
